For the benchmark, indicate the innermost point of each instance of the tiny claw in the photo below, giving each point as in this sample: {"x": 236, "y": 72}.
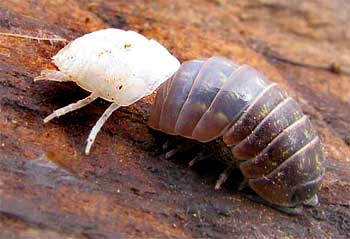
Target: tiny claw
{"x": 312, "y": 201}
{"x": 49, "y": 117}
{"x": 192, "y": 162}
{"x": 88, "y": 146}
{"x": 218, "y": 185}
{"x": 171, "y": 153}
{"x": 168, "y": 143}
{"x": 198, "y": 158}
{"x": 223, "y": 177}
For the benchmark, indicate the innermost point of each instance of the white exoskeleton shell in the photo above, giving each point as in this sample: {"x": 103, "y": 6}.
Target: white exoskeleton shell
{"x": 116, "y": 65}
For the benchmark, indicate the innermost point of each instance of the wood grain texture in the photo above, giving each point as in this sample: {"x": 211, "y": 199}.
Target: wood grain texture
{"x": 125, "y": 188}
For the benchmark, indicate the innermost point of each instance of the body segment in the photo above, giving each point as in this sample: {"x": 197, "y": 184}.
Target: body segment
{"x": 116, "y": 65}
{"x": 273, "y": 142}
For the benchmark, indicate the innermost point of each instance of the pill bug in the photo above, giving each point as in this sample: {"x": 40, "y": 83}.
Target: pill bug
{"x": 116, "y": 65}
{"x": 264, "y": 130}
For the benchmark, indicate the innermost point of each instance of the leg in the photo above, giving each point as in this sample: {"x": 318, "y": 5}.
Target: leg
{"x": 98, "y": 126}
{"x": 312, "y": 201}
{"x": 179, "y": 148}
{"x": 223, "y": 177}
{"x": 244, "y": 184}
{"x": 169, "y": 143}
{"x": 52, "y": 75}
{"x": 198, "y": 158}
{"x": 172, "y": 152}
{"x": 71, "y": 107}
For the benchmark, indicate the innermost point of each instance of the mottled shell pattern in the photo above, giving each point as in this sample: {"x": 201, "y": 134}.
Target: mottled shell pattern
{"x": 278, "y": 151}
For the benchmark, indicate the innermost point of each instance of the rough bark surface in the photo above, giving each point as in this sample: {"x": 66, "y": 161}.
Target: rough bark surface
{"x": 125, "y": 188}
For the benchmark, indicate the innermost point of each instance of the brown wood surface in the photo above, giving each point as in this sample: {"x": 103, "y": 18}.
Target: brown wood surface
{"x": 125, "y": 188}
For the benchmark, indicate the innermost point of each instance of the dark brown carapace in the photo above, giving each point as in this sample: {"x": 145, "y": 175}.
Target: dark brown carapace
{"x": 271, "y": 140}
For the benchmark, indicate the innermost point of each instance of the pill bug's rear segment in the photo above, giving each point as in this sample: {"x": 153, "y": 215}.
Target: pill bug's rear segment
{"x": 277, "y": 149}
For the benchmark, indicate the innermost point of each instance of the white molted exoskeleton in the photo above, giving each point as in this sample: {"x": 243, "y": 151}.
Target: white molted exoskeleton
{"x": 116, "y": 65}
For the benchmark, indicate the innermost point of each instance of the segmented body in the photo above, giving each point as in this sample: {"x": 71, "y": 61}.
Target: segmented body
{"x": 116, "y": 65}
{"x": 278, "y": 151}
